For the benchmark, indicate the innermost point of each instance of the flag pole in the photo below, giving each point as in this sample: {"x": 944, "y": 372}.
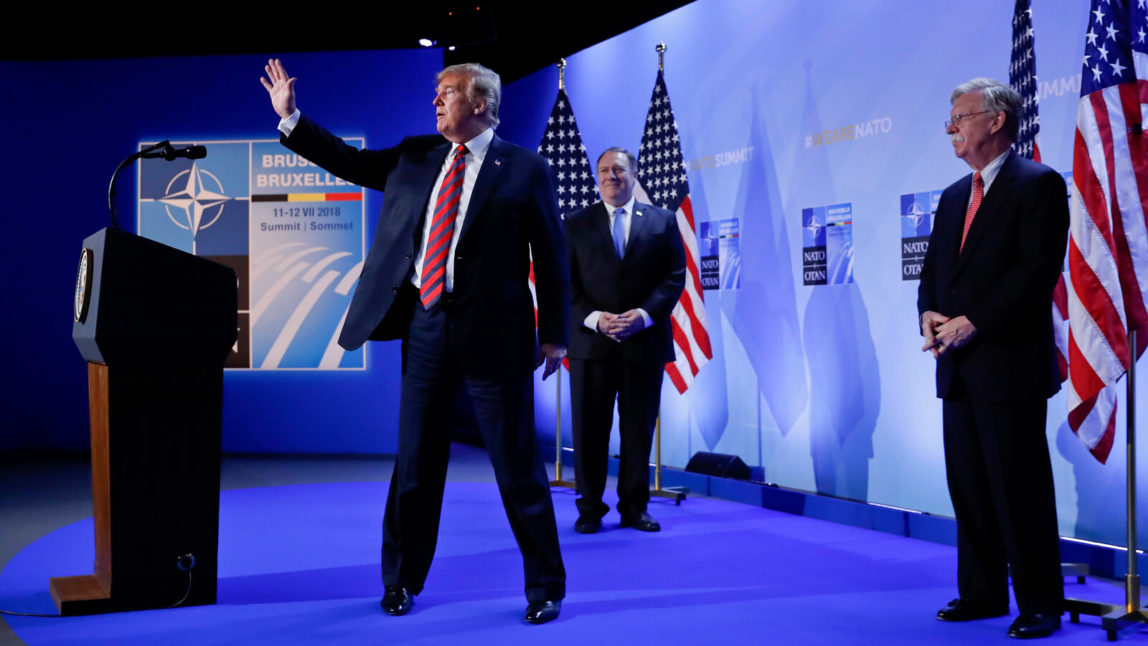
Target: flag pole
{"x": 1131, "y": 614}
{"x": 1132, "y": 578}
{"x": 558, "y": 480}
{"x": 1115, "y": 618}
{"x": 677, "y": 494}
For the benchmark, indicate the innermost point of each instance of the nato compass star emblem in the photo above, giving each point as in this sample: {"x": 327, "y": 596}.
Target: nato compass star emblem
{"x": 194, "y": 200}
{"x": 814, "y": 228}
{"x": 915, "y": 215}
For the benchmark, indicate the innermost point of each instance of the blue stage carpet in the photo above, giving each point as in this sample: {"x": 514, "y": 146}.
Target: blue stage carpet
{"x": 300, "y": 565}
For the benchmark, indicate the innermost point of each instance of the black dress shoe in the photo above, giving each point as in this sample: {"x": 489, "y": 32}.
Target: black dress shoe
{"x": 540, "y": 612}
{"x": 587, "y": 525}
{"x": 643, "y": 522}
{"x": 1036, "y": 625}
{"x": 961, "y": 610}
{"x": 397, "y": 600}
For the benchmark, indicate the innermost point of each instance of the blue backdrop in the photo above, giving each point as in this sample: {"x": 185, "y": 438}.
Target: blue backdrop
{"x": 788, "y": 106}
{"x": 67, "y": 124}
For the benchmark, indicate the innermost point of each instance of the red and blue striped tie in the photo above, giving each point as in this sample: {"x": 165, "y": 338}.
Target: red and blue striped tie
{"x": 442, "y": 230}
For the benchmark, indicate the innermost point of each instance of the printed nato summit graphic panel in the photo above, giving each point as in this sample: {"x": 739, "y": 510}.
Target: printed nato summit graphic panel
{"x": 292, "y": 232}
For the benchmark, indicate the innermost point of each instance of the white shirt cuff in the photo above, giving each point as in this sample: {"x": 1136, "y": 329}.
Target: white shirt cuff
{"x": 288, "y": 124}
{"x": 592, "y": 319}
{"x": 645, "y": 317}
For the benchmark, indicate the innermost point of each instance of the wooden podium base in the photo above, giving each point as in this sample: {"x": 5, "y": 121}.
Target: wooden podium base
{"x": 155, "y": 431}
{"x": 80, "y": 595}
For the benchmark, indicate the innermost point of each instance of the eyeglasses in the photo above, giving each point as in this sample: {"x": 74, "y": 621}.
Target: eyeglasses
{"x": 957, "y": 118}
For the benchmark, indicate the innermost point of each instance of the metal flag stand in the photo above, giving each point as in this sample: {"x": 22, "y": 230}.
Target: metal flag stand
{"x": 677, "y": 494}
{"x": 558, "y": 481}
{"x": 1114, "y": 617}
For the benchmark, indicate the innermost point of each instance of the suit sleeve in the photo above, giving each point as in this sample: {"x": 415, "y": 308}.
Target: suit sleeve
{"x": 580, "y": 305}
{"x": 551, "y": 264}
{"x": 368, "y": 168}
{"x": 1025, "y": 290}
{"x": 665, "y": 295}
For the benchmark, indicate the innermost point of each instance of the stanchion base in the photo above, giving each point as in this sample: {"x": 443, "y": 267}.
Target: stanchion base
{"x": 1120, "y": 619}
{"x": 563, "y": 483}
{"x": 1077, "y": 607}
{"x": 1078, "y": 570}
{"x": 677, "y": 494}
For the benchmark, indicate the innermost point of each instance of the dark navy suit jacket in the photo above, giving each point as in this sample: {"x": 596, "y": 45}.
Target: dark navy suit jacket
{"x": 651, "y": 276}
{"x": 1002, "y": 281}
{"x": 512, "y": 205}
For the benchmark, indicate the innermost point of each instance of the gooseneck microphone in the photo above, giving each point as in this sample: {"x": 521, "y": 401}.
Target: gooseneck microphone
{"x": 162, "y": 150}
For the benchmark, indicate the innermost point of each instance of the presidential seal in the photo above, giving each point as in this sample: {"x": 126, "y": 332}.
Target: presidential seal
{"x": 83, "y": 286}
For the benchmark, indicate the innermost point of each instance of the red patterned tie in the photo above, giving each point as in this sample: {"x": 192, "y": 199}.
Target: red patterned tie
{"x": 978, "y": 194}
{"x": 442, "y": 230}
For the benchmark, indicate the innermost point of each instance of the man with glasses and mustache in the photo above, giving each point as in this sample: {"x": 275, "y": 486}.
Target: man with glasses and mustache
{"x": 985, "y": 303}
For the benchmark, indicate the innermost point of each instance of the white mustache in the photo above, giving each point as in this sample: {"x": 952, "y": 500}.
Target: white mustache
{"x": 956, "y": 138}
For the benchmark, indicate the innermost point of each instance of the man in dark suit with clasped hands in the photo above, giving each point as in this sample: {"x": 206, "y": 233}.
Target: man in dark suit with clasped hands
{"x": 627, "y": 271}
{"x": 985, "y": 303}
{"x": 447, "y": 273}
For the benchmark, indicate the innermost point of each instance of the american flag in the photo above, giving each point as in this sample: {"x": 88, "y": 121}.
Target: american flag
{"x": 662, "y": 182}
{"x": 1022, "y": 78}
{"x": 563, "y": 149}
{"x": 1108, "y": 243}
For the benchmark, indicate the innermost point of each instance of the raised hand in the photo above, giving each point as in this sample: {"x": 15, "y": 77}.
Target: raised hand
{"x": 280, "y": 87}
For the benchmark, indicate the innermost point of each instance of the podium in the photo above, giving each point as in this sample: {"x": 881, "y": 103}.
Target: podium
{"x": 155, "y": 325}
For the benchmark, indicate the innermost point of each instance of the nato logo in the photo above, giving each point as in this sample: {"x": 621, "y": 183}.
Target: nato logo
{"x": 813, "y": 227}
{"x": 708, "y": 240}
{"x": 917, "y": 214}
{"x": 194, "y": 200}
{"x": 200, "y": 206}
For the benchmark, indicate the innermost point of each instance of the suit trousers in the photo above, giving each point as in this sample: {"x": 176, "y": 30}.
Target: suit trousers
{"x": 1000, "y": 481}
{"x": 593, "y": 386}
{"x": 504, "y": 408}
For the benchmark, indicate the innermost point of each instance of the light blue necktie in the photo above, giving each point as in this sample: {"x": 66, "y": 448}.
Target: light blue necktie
{"x": 620, "y": 232}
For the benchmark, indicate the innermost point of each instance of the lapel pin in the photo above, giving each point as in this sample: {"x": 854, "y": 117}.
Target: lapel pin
{"x": 498, "y": 162}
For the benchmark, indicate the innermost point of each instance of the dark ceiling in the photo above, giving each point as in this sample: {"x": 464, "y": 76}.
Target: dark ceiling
{"x": 513, "y": 37}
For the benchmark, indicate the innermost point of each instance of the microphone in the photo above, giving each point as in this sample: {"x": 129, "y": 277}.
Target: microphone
{"x": 164, "y": 149}
{"x": 191, "y": 152}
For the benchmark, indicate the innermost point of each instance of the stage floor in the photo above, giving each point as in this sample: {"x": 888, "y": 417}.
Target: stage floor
{"x": 299, "y": 564}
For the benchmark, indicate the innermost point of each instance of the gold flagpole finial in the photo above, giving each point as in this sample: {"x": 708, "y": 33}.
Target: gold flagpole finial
{"x": 661, "y": 55}
{"x": 561, "y": 73}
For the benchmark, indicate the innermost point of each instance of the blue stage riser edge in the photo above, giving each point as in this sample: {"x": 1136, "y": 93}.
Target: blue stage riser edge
{"x": 1102, "y": 560}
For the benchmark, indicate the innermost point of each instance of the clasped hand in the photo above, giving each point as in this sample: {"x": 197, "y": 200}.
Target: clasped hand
{"x": 942, "y": 332}
{"x": 620, "y": 327}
